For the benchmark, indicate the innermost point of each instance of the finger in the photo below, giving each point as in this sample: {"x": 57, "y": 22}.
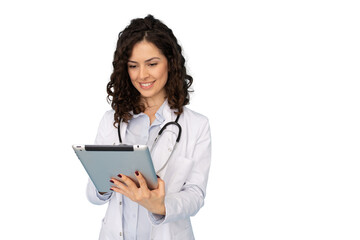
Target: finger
{"x": 118, "y": 183}
{"x": 141, "y": 180}
{"x": 118, "y": 186}
{"x": 127, "y": 181}
{"x": 121, "y": 187}
{"x": 118, "y": 190}
{"x": 161, "y": 185}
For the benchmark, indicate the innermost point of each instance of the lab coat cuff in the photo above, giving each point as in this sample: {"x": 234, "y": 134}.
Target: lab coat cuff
{"x": 104, "y": 196}
{"x": 94, "y": 196}
{"x": 156, "y": 219}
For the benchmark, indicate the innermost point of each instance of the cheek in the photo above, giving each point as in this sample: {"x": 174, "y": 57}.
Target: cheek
{"x": 164, "y": 73}
{"x": 133, "y": 79}
{"x": 133, "y": 82}
{"x": 132, "y": 75}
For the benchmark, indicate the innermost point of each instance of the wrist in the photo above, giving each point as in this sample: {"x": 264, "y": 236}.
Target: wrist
{"x": 162, "y": 210}
{"x": 159, "y": 210}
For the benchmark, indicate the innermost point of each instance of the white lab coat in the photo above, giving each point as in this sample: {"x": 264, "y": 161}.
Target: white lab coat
{"x": 185, "y": 176}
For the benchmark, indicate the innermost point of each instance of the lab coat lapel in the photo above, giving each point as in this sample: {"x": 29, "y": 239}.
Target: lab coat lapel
{"x": 168, "y": 114}
{"x": 166, "y": 142}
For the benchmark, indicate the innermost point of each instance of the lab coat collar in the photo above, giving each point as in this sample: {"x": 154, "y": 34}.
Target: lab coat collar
{"x": 167, "y": 113}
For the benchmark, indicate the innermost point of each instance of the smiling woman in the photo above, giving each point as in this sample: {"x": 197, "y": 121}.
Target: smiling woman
{"x": 148, "y": 91}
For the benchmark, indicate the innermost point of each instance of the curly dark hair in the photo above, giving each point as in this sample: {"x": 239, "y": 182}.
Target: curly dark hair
{"x": 122, "y": 95}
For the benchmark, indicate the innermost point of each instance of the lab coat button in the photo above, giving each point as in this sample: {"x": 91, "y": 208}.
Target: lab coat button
{"x": 120, "y": 234}
{"x": 120, "y": 203}
{"x": 170, "y": 149}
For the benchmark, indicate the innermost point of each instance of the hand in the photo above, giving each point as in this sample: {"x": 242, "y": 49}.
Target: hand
{"x": 152, "y": 200}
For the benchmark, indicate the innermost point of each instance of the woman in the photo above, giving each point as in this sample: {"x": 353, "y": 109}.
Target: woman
{"x": 149, "y": 87}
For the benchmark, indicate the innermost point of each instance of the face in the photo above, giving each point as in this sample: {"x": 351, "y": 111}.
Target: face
{"x": 148, "y": 71}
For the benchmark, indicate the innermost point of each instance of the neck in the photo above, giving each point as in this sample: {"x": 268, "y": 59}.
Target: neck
{"x": 152, "y": 106}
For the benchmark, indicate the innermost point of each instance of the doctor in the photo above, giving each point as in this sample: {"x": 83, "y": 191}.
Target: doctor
{"x": 148, "y": 89}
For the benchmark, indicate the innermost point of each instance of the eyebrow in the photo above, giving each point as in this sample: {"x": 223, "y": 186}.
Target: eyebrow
{"x": 150, "y": 59}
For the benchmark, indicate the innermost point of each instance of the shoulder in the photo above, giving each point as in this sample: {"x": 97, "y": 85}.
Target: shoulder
{"x": 109, "y": 115}
{"x": 194, "y": 116}
{"x": 106, "y": 129}
{"x": 107, "y": 121}
{"x": 195, "y": 121}
{"x": 196, "y": 127}
{"x": 108, "y": 118}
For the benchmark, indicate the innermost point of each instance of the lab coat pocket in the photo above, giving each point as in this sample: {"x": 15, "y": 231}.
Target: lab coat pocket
{"x": 177, "y": 173}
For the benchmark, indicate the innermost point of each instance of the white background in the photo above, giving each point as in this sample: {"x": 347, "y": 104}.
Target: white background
{"x": 279, "y": 81}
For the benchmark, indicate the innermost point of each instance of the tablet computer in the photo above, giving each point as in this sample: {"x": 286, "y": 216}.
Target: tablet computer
{"x": 103, "y": 162}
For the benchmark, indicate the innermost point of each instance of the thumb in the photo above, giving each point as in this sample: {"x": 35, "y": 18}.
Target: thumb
{"x": 161, "y": 185}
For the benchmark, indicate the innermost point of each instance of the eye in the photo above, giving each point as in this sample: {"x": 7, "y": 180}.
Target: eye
{"x": 131, "y": 66}
{"x": 153, "y": 64}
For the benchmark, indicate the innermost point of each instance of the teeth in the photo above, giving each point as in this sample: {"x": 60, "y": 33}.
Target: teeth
{"x": 146, "y": 84}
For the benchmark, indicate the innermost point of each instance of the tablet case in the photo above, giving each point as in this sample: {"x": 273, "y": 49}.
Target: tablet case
{"x": 103, "y": 162}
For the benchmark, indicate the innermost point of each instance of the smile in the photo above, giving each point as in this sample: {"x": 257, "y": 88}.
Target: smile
{"x": 146, "y": 85}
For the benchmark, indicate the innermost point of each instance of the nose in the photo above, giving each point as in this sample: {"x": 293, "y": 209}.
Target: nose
{"x": 143, "y": 73}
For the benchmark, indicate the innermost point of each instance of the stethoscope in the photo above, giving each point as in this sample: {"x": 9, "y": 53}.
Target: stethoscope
{"x": 158, "y": 136}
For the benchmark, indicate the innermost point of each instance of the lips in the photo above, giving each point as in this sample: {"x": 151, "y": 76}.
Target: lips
{"x": 146, "y": 85}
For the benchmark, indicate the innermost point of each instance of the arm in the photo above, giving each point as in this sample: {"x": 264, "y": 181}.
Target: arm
{"x": 94, "y": 196}
{"x": 188, "y": 201}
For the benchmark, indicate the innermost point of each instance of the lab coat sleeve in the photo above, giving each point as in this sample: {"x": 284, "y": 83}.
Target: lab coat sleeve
{"x": 190, "y": 199}
{"x": 94, "y": 196}
{"x": 103, "y": 134}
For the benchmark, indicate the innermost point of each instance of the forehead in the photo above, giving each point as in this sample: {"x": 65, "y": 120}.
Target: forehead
{"x": 145, "y": 50}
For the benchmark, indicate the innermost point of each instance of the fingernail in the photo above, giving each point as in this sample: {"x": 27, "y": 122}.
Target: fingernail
{"x": 111, "y": 189}
{"x": 119, "y": 176}
{"x": 111, "y": 181}
{"x": 137, "y": 173}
